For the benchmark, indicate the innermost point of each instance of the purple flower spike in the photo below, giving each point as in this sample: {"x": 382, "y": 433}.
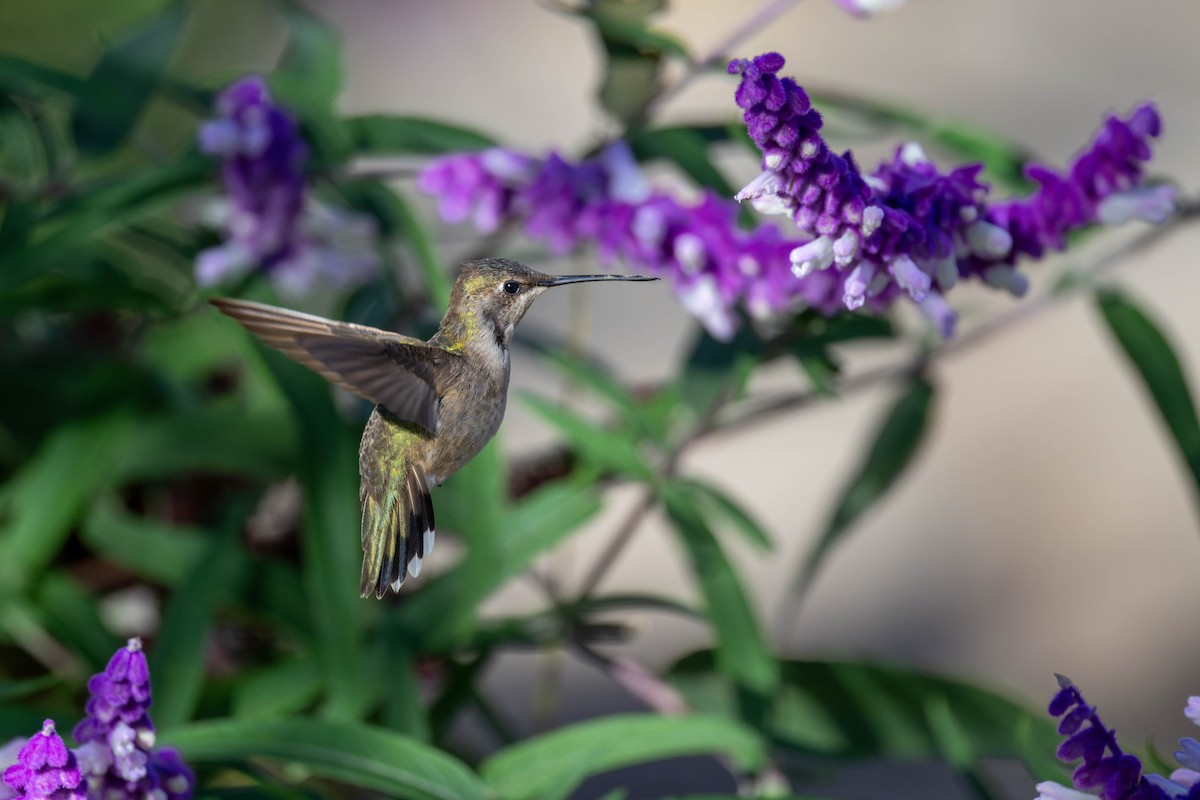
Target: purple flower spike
{"x": 1107, "y": 772}
{"x": 45, "y": 768}
{"x": 267, "y": 220}
{"x": 116, "y": 738}
{"x": 907, "y": 230}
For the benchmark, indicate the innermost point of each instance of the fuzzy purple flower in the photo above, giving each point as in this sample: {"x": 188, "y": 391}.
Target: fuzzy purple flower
{"x": 116, "y": 737}
{"x": 46, "y": 769}
{"x": 906, "y": 230}
{"x": 266, "y": 217}
{"x": 910, "y": 229}
{"x": 1106, "y": 771}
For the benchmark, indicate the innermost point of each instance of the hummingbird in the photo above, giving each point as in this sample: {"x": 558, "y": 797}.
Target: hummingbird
{"x": 437, "y": 403}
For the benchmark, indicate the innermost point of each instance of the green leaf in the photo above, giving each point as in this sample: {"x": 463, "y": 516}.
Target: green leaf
{"x": 844, "y": 710}
{"x": 608, "y": 449}
{"x": 328, "y": 473}
{"x": 47, "y": 497}
{"x": 1151, "y": 354}
{"x": 281, "y": 688}
{"x": 544, "y": 518}
{"x": 687, "y": 149}
{"x": 20, "y": 690}
{"x": 710, "y": 497}
{"x": 379, "y": 134}
{"x": 71, "y": 615}
{"x": 19, "y": 76}
{"x": 216, "y": 438}
{"x": 154, "y": 550}
{"x": 178, "y": 657}
{"x": 630, "y": 82}
{"x": 598, "y": 379}
{"x": 894, "y": 446}
{"x": 552, "y": 764}
{"x": 310, "y": 72}
{"x": 353, "y": 753}
{"x": 717, "y": 371}
{"x": 742, "y": 651}
{"x": 121, "y": 84}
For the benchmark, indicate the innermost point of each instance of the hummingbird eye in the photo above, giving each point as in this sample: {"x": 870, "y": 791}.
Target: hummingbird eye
{"x": 511, "y": 287}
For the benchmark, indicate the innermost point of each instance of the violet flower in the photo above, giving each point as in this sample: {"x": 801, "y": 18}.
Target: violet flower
{"x": 268, "y": 221}
{"x": 1107, "y": 772}
{"x": 910, "y": 229}
{"x": 116, "y": 737}
{"x": 46, "y": 769}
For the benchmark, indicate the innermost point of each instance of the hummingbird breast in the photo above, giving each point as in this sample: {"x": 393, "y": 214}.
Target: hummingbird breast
{"x": 471, "y": 409}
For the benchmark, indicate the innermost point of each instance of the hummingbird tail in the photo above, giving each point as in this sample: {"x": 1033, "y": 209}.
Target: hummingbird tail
{"x": 397, "y": 529}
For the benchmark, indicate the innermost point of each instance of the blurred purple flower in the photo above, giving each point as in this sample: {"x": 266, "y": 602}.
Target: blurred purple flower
{"x": 266, "y": 217}
{"x": 116, "y": 737}
{"x": 45, "y": 768}
{"x": 868, "y": 8}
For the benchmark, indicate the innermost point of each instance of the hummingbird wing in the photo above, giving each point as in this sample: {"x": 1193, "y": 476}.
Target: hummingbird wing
{"x": 394, "y": 371}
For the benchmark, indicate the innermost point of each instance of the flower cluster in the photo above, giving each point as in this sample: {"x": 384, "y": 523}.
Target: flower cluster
{"x": 911, "y": 229}
{"x": 45, "y": 769}
{"x": 1106, "y": 771}
{"x": 608, "y": 202}
{"x": 267, "y": 219}
{"x": 116, "y": 738}
{"x": 906, "y": 230}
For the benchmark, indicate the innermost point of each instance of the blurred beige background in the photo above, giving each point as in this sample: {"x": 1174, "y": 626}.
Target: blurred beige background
{"x": 1047, "y": 525}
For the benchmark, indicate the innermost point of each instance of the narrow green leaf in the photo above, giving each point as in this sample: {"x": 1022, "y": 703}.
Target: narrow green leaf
{"x": 687, "y": 149}
{"x": 279, "y": 689}
{"x": 606, "y": 448}
{"x": 121, "y": 84}
{"x": 311, "y": 64}
{"x": 19, "y": 76}
{"x": 356, "y": 754}
{"x": 217, "y": 438}
{"x": 892, "y": 450}
{"x": 630, "y": 82}
{"x": 555, "y": 762}
{"x": 742, "y": 651}
{"x": 328, "y": 473}
{"x": 859, "y": 710}
{"x": 154, "y": 550}
{"x": 1151, "y": 354}
{"x": 381, "y": 134}
{"x": 70, "y": 614}
{"x": 596, "y": 378}
{"x": 178, "y": 657}
{"x": 630, "y": 31}
{"x": 47, "y": 497}
{"x": 543, "y": 518}
{"x": 716, "y": 371}
{"x": 20, "y": 690}
{"x": 708, "y": 495}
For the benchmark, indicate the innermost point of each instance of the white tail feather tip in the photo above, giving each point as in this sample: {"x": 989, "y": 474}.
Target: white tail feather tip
{"x": 414, "y": 566}
{"x": 430, "y": 535}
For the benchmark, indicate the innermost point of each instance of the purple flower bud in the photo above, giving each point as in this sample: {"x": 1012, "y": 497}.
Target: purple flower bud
{"x": 117, "y": 737}
{"x": 45, "y": 769}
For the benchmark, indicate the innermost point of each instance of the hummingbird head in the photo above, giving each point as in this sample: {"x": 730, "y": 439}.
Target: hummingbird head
{"x": 497, "y": 292}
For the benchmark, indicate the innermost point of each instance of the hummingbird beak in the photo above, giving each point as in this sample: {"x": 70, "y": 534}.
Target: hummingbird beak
{"x": 562, "y": 280}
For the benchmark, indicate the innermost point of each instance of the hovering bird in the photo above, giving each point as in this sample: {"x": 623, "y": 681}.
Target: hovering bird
{"x": 437, "y": 403}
